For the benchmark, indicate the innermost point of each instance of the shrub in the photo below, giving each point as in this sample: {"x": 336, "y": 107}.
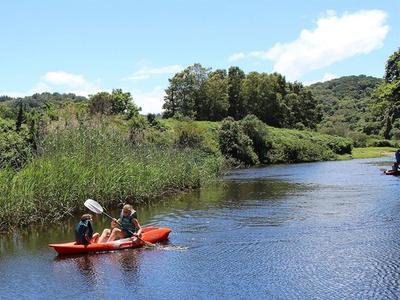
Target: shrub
{"x": 359, "y": 139}
{"x": 256, "y": 130}
{"x": 381, "y": 143}
{"x": 14, "y": 146}
{"x": 189, "y": 134}
{"x": 235, "y": 143}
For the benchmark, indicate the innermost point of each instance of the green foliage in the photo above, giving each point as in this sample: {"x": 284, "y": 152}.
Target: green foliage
{"x": 117, "y": 102}
{"x": 189, "y": 135}
{"x": 381, "y": 143}
{"x": 151, "y": 118}
{"x": 200, "y": 94}
{"x": 216, "y": 102}
{"x": 100, "y": 103}
{"x": 347, "y": 104}
{"x": 236, "y": 105}
{"x": 84, "y": 162}
{"x": 233, "y": 142}
{"x": 258, "y": 133}
{"x": 14, "y": 146}
{"x": 296, "y": 146}
{"x": 387, "y": 104}
{"x": 359, "y": 139}
{"x": 185, "y": 93}
{"x": 20, "y": 118}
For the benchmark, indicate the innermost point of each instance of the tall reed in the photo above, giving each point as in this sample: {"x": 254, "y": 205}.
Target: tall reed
{"x": 80, "y": 163}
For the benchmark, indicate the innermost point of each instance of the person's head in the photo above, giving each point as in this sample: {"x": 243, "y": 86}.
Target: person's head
{"x": 86, "y": 217}
{"x": 127, "y": 210}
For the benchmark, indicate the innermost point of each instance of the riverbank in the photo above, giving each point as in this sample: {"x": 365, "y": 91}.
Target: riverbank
{"x": 114, "y": 161}
{"x": 100, "y": 163}
{"x": 369, "y": 152}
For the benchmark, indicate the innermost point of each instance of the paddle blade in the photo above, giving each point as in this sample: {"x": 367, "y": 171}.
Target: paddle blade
{"x": 93, "y": 206}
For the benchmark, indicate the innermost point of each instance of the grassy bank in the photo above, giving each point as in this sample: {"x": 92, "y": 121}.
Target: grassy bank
{"x": 370, "y": 152}
{"x": 274, "y": 145}
{"x": 103, "y": 164}
{"x": 114, "y": 160}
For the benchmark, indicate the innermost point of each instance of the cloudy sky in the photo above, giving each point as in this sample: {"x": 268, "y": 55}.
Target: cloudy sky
{"x": 88, "y": 46}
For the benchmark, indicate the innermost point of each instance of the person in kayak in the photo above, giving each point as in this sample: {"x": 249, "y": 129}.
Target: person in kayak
{"x": 396, "y": 164}
{"x": 84, "y": 231}
{"x": 127, "y": 225}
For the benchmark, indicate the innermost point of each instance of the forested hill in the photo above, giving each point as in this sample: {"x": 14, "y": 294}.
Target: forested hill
{"x": 355, "y": 87}
{"x": 345, "y": 102}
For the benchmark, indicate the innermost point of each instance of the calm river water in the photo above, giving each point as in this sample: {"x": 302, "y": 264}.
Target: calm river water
{"x": 327, "y": 230}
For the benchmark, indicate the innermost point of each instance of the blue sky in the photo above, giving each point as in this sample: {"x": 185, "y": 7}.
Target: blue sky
{"x": 88, "y": 46}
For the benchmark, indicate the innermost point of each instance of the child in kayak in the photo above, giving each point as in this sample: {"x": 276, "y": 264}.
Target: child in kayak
{"x": 84, "y": 231}
{"x": 129, "y": 225}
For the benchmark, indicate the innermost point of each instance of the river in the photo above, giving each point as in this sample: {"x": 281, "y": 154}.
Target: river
{"x": 328, "y": 230}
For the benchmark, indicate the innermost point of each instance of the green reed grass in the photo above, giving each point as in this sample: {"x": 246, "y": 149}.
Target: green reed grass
{"x": 80, "y": 163}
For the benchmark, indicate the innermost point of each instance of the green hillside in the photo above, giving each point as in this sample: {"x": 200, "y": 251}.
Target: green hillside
{"x": 345, "y": 103}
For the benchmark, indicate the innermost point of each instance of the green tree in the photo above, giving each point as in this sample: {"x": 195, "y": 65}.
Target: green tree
{"x": 215, "y": 105}
{"x": 185, "y": 92}
{"x": 237, "y": 107}
{"x": 120, "y": 101}
{"x": 263, "y": 93}
{"x": 20, "y": 117}
{"x": 389, "y": 92}
{"x": 302, "y": 107}
{"x": 100, "y": 103}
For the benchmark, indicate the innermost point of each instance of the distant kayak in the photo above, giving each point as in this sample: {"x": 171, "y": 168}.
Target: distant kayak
{"x": 149, "y": 234}
{"x": 392, "y": 172}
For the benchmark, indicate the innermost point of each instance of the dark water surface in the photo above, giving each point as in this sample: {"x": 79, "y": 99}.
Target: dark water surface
{"x": 326, "y": 230}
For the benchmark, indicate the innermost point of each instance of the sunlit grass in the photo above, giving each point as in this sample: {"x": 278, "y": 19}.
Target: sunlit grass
{"x": 83, "y": 163}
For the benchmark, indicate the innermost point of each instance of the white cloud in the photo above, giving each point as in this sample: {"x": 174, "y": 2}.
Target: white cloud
{"x": 69, "y": 82}
{"x": 150, "y": 102}
{"x": 335, "y": 38}
{"x": 252, "y": 54}
{"x": 64, "y": 78}
{"x": 326, "y": 77}
{"x": 147, "y": 72}
{"x": 62, "y": 82}
{"x": 237, "y": 56}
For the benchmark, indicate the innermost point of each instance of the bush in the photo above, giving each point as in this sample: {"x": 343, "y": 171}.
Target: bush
{"x": 256, "y": 130}
{"x": 117, "y": 102}
{"x": 381, "y": 143}
{"x": 15, "y": 149}
{"x": 235, "y": 143}
{"x": 359, "y": 139}
{"x": 137, "y": 127}
{"x": 189, "y": 135}
{"x": 395, "y": 133}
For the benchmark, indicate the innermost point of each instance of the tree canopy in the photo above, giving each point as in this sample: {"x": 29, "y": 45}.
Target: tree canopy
{"x": 202, "y": 94}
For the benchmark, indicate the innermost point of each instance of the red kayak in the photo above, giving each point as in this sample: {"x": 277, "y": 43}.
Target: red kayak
{"x": 392, "y": 172}
{"x": 149, "y": 234}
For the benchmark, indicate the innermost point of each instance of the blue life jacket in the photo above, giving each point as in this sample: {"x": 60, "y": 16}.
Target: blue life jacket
{"x": 83, "y": 232}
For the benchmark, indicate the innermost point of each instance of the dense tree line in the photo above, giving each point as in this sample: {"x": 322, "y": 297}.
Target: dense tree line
{"x": 40, "y": 99}
{"x": 386, "y": 107}
{"x": 202, "y": 94}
